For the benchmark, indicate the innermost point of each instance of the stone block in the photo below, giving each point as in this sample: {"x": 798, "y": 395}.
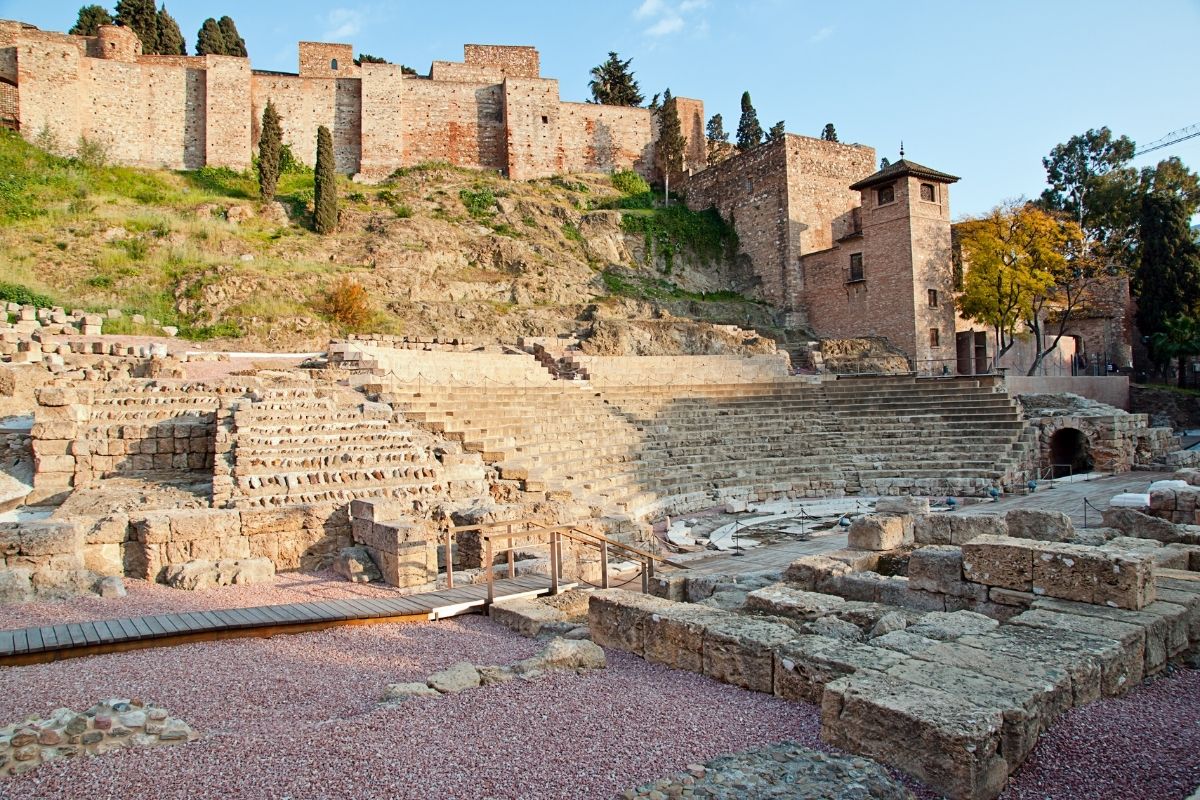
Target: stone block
{"x": 1122, "y": 660}
{"x": 942, "y": 739}
{"x": 951, "y": 528}
{"x": 204, "y": 523}
{"x": 999, "y": 561}
{"x": 1067, "y": 571}
{"x": 255, "y": 521}
{"x": 406, "y": 564}
{"x": 1043, "y": 526}
{"x": 675, "y": 636}
{"x": 527, "y": 617}
{"x": 740, "y": 651}
{"x": 946, "y": 626}
{"x": 1125, "y": 581}
{"x": 936, "y": 568}
{"x": 783, "y": 600}
{"x": 51, "y": 538}
{"x": 809, "y": 571}
{"x": 1142, "y": 526}
{"x": 902, "y": 504}
{"x": 877, "y": 532}
{"x": 617, "y": 618}
{"x": 1165, "y": 625}
{"x": 805, "y": 665}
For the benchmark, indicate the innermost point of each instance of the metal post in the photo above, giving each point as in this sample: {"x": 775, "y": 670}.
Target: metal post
{"x": 491, "y": 578}
{"x": 555, "y": 567}
{"x": 512, "y": 567}
{"x": 646, "y": 577}
{"x": 603, "y": 564}
{"x": 450, "y": 557}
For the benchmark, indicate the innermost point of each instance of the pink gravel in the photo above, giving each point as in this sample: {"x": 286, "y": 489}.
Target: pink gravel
{"x": 296, "y": 717}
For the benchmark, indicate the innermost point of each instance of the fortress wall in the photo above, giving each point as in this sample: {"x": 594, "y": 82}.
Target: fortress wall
{"x": 50, "y": 89}
{"x": 304, "y": 104}
{"x": 751, "y": 190}
{"x": 531, "y": 115}
{"x": 381, "y": 120}
{"x": 598, "y": 138}
{"x": 8, "y": 61}
{"x": 116, "y": 110}
{"x": 819, "y": 194}
{"x": 465, "y": 73}
{"x": 228, "y": 112}
{"x": 175, "y": 102}
{"x": 691, "y": 123}
{"x": 462, "y": 123}
{"x": 512, "y": 61}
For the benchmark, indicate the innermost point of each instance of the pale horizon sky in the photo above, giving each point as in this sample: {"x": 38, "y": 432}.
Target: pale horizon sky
{"x": 982, "y": 91}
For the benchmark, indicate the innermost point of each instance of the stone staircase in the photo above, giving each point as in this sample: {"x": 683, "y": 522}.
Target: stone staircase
{"x": 310, "y": 446}
{"x": 634, "y": 451}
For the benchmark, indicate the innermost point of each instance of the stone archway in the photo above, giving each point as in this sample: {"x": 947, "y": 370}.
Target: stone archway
{"x": 1070, "y": 452}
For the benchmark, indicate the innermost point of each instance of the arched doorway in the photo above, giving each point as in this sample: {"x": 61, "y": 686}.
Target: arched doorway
{"x": 1070, "y": 453}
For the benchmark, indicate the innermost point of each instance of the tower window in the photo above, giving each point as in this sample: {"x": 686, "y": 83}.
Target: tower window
{"x": 935, "y": 339}
{"x": 928, "y": 193}
{"x": 856, "y": 267}
{"x": 885, "y": 194}
{"x": 333, "y": 63}
{"x": 933, "y": 298}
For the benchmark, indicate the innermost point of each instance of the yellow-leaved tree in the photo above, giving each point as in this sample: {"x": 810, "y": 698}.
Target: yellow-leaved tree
{"x": 1025, "y": 270}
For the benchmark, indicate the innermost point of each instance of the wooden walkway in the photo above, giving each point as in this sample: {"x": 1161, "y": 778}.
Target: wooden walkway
{"x": 74, "y": 640}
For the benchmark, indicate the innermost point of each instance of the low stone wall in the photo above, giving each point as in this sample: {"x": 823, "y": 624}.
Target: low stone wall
{"x": 441, "y": 367}
{"x": 43, "y": 559}
{"x": 1110, "y": 390}
{"x": 1115, "y": 443}
{"x": 404, "y": 549}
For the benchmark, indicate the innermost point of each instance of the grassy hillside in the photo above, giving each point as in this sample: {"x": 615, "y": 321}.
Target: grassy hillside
{"x": 438, "y": 250}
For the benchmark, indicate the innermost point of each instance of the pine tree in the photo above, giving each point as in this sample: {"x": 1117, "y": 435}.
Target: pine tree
{"x": 669, "y": 150}
{"x": 613, "y": 83}
{"x": 89, "y": 21}
{"x": 749, "y": 132}
{"x": 1167, "y": 281}
{"x": 884, "y": 163}
{"x": 776, "y": 133}
{"x": 170, "y": 38}
{"x": 234, "y": 45}
{"x": 141, "y": 17}
{"x": 366, "y": 58}
{"x": 829, "y": 133}
{"x": 209, "y": 41}
{"x": 325, "y": 212}
{"x": 718, "y": 140}
{"x": 270, "y": 149}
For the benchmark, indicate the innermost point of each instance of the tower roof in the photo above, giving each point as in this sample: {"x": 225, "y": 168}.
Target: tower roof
{"x": 902, "y": 168}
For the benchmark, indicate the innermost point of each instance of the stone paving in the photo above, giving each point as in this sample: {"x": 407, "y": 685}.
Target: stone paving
{"x": 1068, "y": 496}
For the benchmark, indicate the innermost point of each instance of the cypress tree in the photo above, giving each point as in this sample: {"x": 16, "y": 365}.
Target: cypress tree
{"x": 325, "y": 213}
{"x": 749, "y": 132}
{"x": 170, "y": 38}
{"x": 829, "y": 133}
{"x": 1167, "y": 281}
{"x": 209, "y": 41}
{"x": 671, "y": 143}
{"x": 776, "y": 133}
{"x": 234, "y": 45}
{"x": 89, "y": 21}
{"x": 270, "y": 149}
{"x": 718, "y": 140}
{"x": 141, "y": 17}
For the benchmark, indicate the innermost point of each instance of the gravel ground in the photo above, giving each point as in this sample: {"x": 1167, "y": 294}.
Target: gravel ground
{"x": 296, "y": 717}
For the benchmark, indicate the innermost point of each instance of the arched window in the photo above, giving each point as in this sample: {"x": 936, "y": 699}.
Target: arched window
{"x": 333, "y": 63}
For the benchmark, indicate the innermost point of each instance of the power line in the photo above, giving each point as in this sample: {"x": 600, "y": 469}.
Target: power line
{"x": 1174, "y": 137}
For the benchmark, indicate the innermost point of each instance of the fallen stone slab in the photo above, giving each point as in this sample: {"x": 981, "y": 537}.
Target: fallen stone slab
{"x": 785, "y": 600}
{"x": 454, "y": 678}
{"x": 904, "y": 642}
{"x": 946, "y": 626}
{"x": 397, "y": 692}
{"x": 1124, "y": 669}
{"x": 1165, "y": 624}
{"x": 942, "y": 739}
{"x": 529, "y": 617}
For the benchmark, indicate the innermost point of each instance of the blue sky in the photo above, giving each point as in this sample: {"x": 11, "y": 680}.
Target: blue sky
{"x": 981, "y": 90}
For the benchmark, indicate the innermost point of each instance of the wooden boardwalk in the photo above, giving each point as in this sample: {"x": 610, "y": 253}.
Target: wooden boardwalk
{"x": 73, "y": 640}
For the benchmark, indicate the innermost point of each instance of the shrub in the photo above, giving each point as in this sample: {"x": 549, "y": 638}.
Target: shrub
{"x": 23, "y": 295}
{"x": 479, "y": 201}
{"x": 628, "y": 182}
{"x": 90, "y": 153}
{"x": 347, "y": 304}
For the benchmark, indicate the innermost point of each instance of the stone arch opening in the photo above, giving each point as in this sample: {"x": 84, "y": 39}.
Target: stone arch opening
{"x": 1070, "y": 452}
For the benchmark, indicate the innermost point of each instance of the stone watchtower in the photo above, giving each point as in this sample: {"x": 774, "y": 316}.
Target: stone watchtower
{"x": 117, "y": 43}
{"x": 904, "y": 271}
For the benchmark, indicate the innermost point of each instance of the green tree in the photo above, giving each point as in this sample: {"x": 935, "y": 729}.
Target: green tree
{"x": 141, "y": 17}
{"x": 718, "y": 146}
{"x": 749, "y": 131}
{"x": 89, "y": 21}
{"x": 669, "y": 150}
{"x": 776, "y": 133}
{"x": 235, "y": 45}
{"x": 170, "y": 38}
{"x": 1167, "y": 280}
{"x": 365, "y": 58}
{"x": 1092, "y": 183}
{"x": 613, "y": 83}
{"x": 325, "y": 212}
{"x": 884, "y": 163}
{"x": 1179, "y": 339}
{"x": 1171, "y": 176}
{"x": 829, "y": 133}
{"x": 270, "y": 151}
{"x": 209, "y": 41}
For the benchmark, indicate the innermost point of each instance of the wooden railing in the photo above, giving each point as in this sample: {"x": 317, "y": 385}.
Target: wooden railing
{"x": 491, "y": 534}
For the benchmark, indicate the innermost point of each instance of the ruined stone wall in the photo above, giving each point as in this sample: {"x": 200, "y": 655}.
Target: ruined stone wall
{"x": 52, "y": 97}
{"x": 381, "y": 120}
{"x": 691, "y": 124}
{"x": 227, "y": 112}
{"x": 464, "y": 73}
{"x": 176, "y": 112}
{"x": 751, "y": 191}
{"x": 512, "y": 61}
{"x": 599, "y": 138}
{"x": 325, "y": 60}
{"x": 304, "y": 104}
